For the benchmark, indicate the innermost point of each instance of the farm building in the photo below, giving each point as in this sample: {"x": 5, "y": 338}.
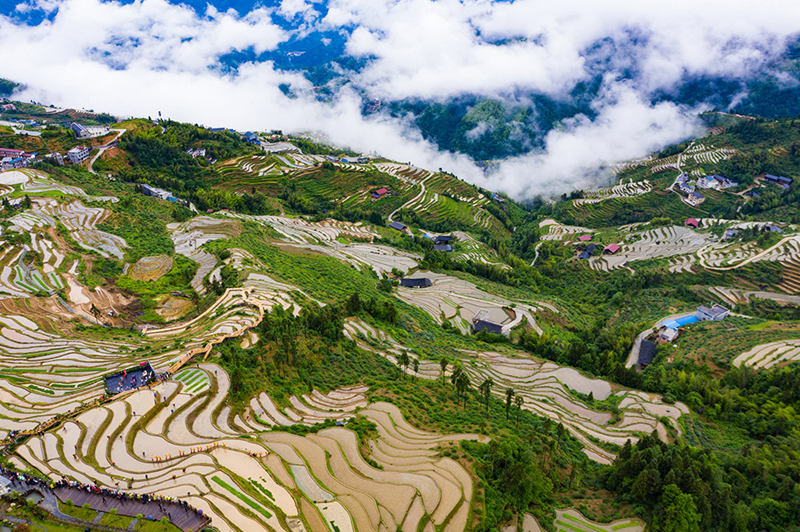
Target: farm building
{"x": 611, "y": 249}
{"x": 773, "y": 228}
{"x": 480, "y": 323}
{"x": 354, "y": 160}
{"x": 692, "y": 222}
{"x": 443, "y": 247}
{"x": 252, "y": 138}
{"x": 398, "y": 226}
{"x": 647, "y": 352}
{"x": 418, "y": 282}
{"x": 716, "y": 313}
{"x": 443, "y": 239}
{"x": 585, "y": 238}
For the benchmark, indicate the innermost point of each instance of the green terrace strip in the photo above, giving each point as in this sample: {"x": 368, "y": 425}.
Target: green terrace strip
{"x": 241, "y": 496}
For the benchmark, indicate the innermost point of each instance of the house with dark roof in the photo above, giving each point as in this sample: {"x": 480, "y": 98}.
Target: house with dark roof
{"x": 715, "y": 313}
{"x": 778, "y": 180}
{"x": 417, "y": 282}
{"x": 647, "y": 352}
{"x": 443, "y": 239}
{"x": 692, "y": 222}
{"x": 443, "y": 247}
{"x": 79, "y": 130}
{"x": 398, "y": 226}
{"x": 481, "y": 323}
{"x": 773, "y": 228}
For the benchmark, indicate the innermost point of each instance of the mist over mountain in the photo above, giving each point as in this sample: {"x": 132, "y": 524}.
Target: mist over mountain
{"x": 525, "y": 97}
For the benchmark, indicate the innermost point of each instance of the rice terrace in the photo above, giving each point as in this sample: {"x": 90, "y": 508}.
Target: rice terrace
{"x": 209, "y": 330}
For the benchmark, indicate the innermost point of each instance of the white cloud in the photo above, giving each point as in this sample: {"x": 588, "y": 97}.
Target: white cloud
{"x": 438, "y": 48}
{"x": 150, "y": 55}
{"x": 578, "y": 155}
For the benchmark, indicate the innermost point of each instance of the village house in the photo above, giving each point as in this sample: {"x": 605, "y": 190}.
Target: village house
{"x": 398, "y": 226}
{"x": 79, "y": 130}
{"x": 611, "y": 249}
{"x": 715, "y": 313}
{"x": 378, "y": 194}
{"x": 695, "y": 198}
{"x": 692, "y": 222}
{"x": 481, "y": 323}
{"x": 78, "y": 154}
{"x": 417, "y": 282}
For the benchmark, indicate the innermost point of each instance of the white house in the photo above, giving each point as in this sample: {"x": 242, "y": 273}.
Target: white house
{"x": 78, "y": 154}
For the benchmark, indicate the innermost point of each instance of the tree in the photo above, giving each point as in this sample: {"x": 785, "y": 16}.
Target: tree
{"x": 509, "y": 396}
{"x": 415, "y": 363}
{"x": 486, "y": 390}
{"x": 676, "y": 512}
{"x": 518, "y": 402}
{"x": 404, "y": 361}
{"x": 443, "y": 364}
{"x": 462, "y": 385}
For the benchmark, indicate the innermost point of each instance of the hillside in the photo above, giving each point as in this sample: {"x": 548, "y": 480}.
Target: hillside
{"x": 300, "y": 384}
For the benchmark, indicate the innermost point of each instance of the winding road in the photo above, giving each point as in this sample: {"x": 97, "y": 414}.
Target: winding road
{"x": 102, "y": 149}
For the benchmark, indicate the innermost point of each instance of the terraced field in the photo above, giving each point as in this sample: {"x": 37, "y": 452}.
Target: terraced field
{"x": 771, "y": 354}
{"x": 545, "y": 387}
{"x": 571, "y": 520}
{"x": 326, "y": 237}
{"x": 557, "y": 231}
{"x": 623, "y": 190}
{"x": 173, "y": 442}
{"x": 458, "y": 302}
{"x": 189, "y": 237}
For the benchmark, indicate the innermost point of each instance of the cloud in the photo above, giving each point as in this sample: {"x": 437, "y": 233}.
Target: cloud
{"x": 146, "y": 56}
{"x": 442, "y": 48}
{"x": 580, "y": 154}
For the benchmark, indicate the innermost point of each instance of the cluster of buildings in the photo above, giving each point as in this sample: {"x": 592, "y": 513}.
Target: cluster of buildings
{"x": 713, "y": 182}
{"x": 586, "y": 251}
{"x": 351, "y": 160}
{"x": 669, "y": 330}
{"x": 160, "y": 193}
{"x": 11, "y": 159}
{"x": 781, "y": 181}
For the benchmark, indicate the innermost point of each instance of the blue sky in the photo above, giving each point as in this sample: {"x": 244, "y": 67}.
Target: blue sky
{"x": 258, "y": 67}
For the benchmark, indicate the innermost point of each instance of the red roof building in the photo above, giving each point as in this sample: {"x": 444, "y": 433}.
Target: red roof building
{"x": 692, "y": 222}
{"x": 381, "y": 191}
{"x": 584, "y": 238}
{"x": 611, "y": 249}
